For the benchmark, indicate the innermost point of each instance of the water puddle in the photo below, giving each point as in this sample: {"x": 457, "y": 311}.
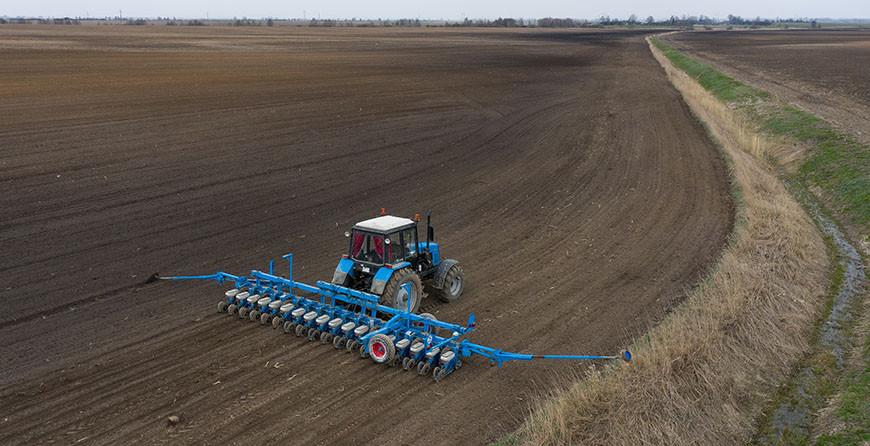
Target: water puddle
{"x": 794, "y": 415}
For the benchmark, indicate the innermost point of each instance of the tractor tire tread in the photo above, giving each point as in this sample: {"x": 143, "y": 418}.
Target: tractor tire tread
{"x": 391, "y": 290}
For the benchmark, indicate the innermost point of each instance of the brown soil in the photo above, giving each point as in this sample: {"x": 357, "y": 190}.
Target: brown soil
{"x": 824, "y": 72}
{"x": 562, "y": 168}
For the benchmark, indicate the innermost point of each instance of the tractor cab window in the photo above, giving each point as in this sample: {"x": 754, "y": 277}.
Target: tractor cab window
{"x": 394, "y": 248}
{"x": 367, "y": 247}
{"x": 409, "y": 239}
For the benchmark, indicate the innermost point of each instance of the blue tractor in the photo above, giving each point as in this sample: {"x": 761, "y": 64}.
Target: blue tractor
{"x": 385, "y": 257}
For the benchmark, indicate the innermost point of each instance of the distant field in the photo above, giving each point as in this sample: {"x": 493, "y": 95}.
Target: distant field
{"x": 823, "y": 71}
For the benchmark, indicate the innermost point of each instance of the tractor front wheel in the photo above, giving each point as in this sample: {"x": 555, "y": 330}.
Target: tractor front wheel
{"x": 397, "y": 296}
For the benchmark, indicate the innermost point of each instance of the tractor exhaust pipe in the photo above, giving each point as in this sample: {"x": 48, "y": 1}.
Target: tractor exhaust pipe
{"x": 430, "y": 231}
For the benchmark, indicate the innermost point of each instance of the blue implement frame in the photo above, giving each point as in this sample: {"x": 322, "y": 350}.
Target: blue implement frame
{"x": 386, "y": 325}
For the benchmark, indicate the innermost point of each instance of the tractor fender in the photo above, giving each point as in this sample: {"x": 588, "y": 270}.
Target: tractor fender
{"x": 433, "y": 249}
{"x": 383, "y": 276}
{"x": 345, "y": 267}
{"x": 441, "y": 272}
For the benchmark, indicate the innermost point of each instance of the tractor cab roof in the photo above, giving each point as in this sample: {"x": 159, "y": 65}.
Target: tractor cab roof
{"x": 384, "y": 224}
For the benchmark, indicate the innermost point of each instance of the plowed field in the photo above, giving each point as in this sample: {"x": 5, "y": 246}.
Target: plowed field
{"x": 562, "y": 169}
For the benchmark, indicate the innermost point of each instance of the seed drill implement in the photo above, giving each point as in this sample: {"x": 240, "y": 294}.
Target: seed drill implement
{"x": 370, "y": 307}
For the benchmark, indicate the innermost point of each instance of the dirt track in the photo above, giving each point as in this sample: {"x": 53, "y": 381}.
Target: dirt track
{"x": 824, "y": 71}
{"x": 562, "y": 169}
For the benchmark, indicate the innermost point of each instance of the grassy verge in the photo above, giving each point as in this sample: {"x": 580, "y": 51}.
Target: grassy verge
{"x": 837, "y": 167}
{"x": 836, "y": 171}
{"x": 703, "y": 374}
{"x": 719, "y": 85}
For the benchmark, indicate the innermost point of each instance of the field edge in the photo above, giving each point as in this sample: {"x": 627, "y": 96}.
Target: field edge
{"x": 811, "y": 405}
{"x": 703, "y": 373}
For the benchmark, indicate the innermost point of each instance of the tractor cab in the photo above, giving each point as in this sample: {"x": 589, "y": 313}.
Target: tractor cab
{"x": 385, "y": 253}
{"x": 384, "y": 240}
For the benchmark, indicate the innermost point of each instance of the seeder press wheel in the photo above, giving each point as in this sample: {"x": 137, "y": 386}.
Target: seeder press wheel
{"x": 407, "y": 363}
{"x": 338, "y": 342}
{"x": 423, "y": 368}
{"x": 438, "y": 374}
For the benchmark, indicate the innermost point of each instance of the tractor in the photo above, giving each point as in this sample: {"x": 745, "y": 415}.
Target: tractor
{"x": 386, "y": 258}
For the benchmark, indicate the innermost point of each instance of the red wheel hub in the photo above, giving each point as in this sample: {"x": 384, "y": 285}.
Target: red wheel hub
{"x": 379, "y": 350}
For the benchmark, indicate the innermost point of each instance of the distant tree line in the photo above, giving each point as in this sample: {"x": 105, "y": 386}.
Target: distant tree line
{"x": 684, "y": 21}
{"x": 363, "y": 23}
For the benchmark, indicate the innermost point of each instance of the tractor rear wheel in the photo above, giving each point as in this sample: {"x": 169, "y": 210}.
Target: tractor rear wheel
{"x": 396, "y": 296}
{"x": 454, "y": 283}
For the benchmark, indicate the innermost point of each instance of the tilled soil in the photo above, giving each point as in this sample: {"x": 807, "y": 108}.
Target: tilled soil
{"x": 822, "y": 71}
{"x": 561, "y": 168}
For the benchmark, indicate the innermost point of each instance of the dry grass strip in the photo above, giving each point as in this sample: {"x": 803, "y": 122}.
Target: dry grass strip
{"x": 704, "y": 373}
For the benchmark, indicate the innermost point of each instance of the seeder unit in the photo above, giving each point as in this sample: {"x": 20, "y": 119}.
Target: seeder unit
{"x": 356, "y": 321}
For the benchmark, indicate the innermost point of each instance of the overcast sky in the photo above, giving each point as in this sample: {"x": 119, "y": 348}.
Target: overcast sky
{"x": 435, "y": 9}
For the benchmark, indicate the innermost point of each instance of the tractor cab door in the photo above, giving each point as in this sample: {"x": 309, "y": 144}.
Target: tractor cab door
{"x": 409, "y": 242}
{"x": 367, "y": 247}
